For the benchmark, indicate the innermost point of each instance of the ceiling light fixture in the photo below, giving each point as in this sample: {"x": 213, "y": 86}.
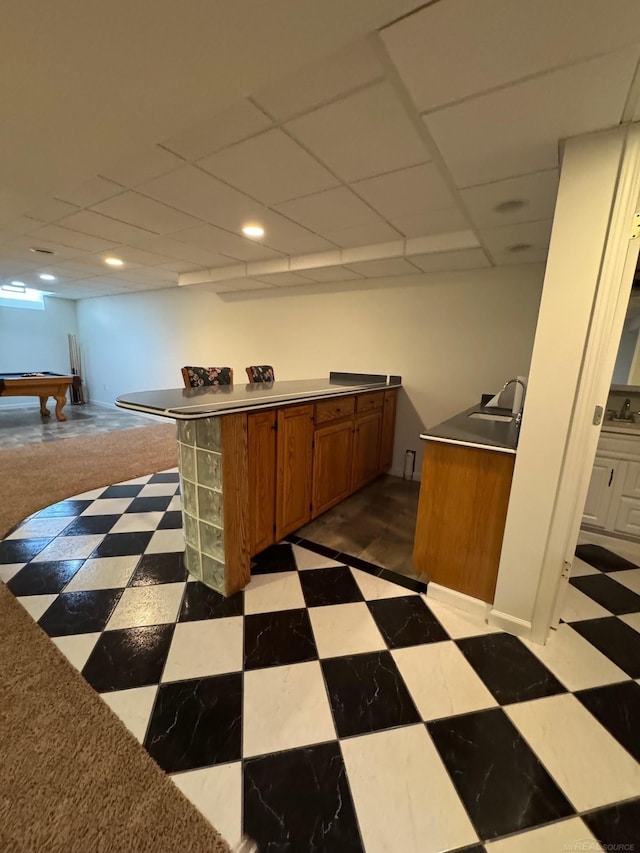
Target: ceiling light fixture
{"x": 114, "y": 262}
{"x": 46, "y": 276}
{"x": 253, "y": 230}
{"x": 510, "y": 206}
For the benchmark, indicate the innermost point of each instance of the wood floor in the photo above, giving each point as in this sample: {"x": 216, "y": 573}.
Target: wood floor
{"x": 376, "y": 524}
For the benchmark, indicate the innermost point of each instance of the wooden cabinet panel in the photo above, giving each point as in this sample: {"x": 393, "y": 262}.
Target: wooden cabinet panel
{"x": 388, "y": 429}
{"x": 366, "y": 448}
{"x": 331, "y": 410}
{"x": 369, "y": 402}
{"x": 332, "y": 456}
{"x": 262, "y": 479}
{"x": 464, "y": 495}
{"x": 294, "y": 468}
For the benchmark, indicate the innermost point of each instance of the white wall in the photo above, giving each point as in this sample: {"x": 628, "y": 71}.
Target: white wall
{"x": 32, "y": 340}
{"x": 451, "y": 336}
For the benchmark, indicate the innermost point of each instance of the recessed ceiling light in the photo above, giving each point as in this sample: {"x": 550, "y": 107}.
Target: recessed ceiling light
{"x": 520, "y": 247}
{"x": 15, "y": 286}
{"x": 253, "y": 230}
{"x": 46, "y": 276}
{"x": 114, "y": 262}
{"x": 510, "y": 206}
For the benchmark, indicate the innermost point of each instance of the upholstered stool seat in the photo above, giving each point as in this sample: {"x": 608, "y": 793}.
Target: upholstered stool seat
{"x": 197, "y": 377}
{"x": 260, "y": 373}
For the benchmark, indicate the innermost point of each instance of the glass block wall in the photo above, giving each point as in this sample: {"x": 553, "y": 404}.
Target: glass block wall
{"x": 200, "y": 464}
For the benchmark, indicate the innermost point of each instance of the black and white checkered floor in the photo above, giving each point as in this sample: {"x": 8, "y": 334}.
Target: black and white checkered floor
{"x": 326, "y": 708}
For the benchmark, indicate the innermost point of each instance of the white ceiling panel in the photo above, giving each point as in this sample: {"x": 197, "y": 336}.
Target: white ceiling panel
{"x": 500, "y": 242}
{"x": 383, "y": 268}
{"x": 17, "y": 226}
{"x": 11, "y": 267}
{"x": 363, "y": 235}
{"x": 407, "y": 192}
{"x": 140, "y": 257}
{"x": 52, "y": 209}
{"x": 362, "y": 135}
{"x": 87, "y": 265}
{"x": 434, "y": 222}
{"x": 320, "y": 82}
{"x": 516, "y": 130}
{"x": 537, "y": 191}
{"x": 469, "y": 259}
{"x": 183, "y": 266}
{"x": 176, "y": 250}
{"x": 236, "y": 285}
{"x": 195, "y": 192}
{"x": 103, "y": 226}
{"x": 146, "y": 213}
{"x": 19, "y": 248}
{"x": 147, "y": 165}
{"x": 91, "y": 192}
{"x": 283, "y": 279}
{"x": 238, "y": 122}
{"x": 329, "y": 210}
{"x": 216, "y": 240}
{"x": 270, "y": 167}
{"x": 452, "y": 50}
{"x": 289, "y": 237}
{"x": 72, "y": 239}
{"x": 328, "y": 274}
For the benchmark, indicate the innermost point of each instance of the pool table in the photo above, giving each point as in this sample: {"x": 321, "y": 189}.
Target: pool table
{"x": 43, "y": 385}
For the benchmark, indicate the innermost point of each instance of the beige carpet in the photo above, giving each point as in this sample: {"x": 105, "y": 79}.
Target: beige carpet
{"x": 72, "y": 778}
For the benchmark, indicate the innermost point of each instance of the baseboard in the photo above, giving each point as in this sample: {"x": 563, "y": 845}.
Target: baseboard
{"x": 510, "y": 624}
{"x": 453, "y": 598}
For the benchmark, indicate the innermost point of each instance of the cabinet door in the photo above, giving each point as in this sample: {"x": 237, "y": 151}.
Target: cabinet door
{"x": 366, "y": 448}
{"x": 600, "y": 491}
{"x": 631, "y": 487}
{"x": 388, "y": 429}
{"x": 628, "y": 517}
{"x": 332, "y": 455}
{"x": 294, "y": 468}
{"x": 262, "y": 479}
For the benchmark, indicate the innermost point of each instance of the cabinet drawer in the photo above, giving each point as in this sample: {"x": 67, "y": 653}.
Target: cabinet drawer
{"x": 370, "y": 402}
{"x": 333, "y": 410}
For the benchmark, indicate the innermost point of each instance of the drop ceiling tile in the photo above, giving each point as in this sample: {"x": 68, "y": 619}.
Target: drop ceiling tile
{"x": 146, "y": 213}
{"x": 384, "y": 268}
{"x": 327, "y": 274}
{"x": 176, "y": 250}
{"x": 434, "y": 222}
{"x": 104, "y": 227}
{"x": 181, "y": 267}
{"x": 329, "y": 210}
{"x": 141, "y": 257}
{"x": 91, "y": 192}
{"x": 469, "y": 259}
{"x": 515, "y": 131}
{"x": 319, "y": 82}
{"x": 149, "y": 164}
{"x": 407, "y": 192}
{"x": 538, "y": 191}
{"x": 290, "y": 237}
{"x": 453, "y": 50}
{"x": 88, "y": 265}
{"x": 362, "y": 135}
{"x": 237, "y": 285}
{"x": 215, "y": 239}
{"x": 529, "y": 256}
{"x": 363, "y": 235}
{"x": 498, "y": 241}
{"x": 238, "y": 122}
{"x": 20, "y": 248}
{"x": 72, "y": 239}
{"x": 270, "y": 167}
{"x": 18, "y": 225}
{"x": 283, "y": 279}
{"x": 195, "y": 192}
{"x": 51, "y": 209}
{"x": 144, "y": 275}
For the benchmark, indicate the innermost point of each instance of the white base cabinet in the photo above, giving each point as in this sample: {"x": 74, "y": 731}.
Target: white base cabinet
{"x": 613, "y": 499}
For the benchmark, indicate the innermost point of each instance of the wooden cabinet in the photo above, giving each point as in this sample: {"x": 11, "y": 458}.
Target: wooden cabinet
{"x": 262, "y": 479}
{"x": 388, "y": 429}
{"x": 332, "y": 456}
{"x": 462, "y": 511}
{"x": 294, "y": 468}
{"x": 600, "y": 494}
{"x": 366, "y": 448}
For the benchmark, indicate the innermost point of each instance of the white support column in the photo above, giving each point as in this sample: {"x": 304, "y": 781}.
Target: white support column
{"x": 557, "y": 440}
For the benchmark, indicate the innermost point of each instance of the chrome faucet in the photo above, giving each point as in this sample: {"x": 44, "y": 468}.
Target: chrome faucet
{"x": 625, "y": 411}
{"x": 524, "y": 392}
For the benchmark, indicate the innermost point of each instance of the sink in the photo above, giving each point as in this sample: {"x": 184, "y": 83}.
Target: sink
{"x": 485, "y": 416}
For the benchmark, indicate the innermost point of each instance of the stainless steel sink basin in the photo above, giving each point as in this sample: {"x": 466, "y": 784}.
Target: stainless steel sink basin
{"x": 485, "y": 416}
